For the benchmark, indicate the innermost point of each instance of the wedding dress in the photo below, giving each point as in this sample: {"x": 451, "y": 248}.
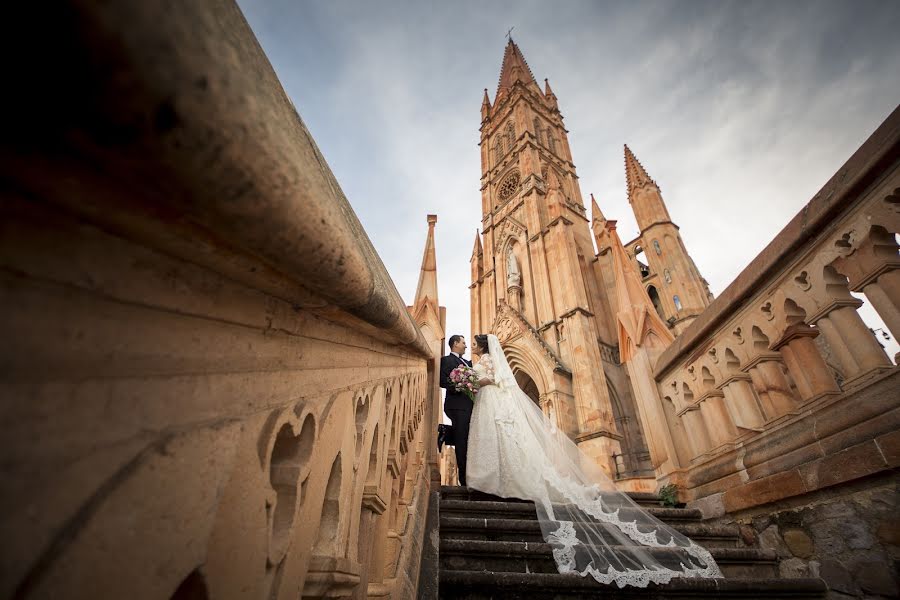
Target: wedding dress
{"x": 515, "y": 451}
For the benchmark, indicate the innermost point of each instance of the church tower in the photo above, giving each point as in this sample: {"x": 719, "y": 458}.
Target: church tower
{"x": 678, "y": 291}
{"x": 536, "y": 283}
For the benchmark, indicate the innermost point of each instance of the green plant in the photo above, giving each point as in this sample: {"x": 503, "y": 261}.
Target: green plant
{"x": 668, "y": 495}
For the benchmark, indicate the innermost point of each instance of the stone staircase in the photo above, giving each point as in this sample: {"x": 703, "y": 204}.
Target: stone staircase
{"x": 492, "y": 548}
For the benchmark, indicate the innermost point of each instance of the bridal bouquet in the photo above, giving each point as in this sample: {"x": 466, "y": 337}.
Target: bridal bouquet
{"x": 465, "y": 380}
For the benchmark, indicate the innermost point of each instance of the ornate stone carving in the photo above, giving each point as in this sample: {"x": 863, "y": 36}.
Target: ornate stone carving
{"x": 509, "y": 186}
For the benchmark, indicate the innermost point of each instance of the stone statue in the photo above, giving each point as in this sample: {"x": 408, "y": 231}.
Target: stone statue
{"x": 513, "y": 276}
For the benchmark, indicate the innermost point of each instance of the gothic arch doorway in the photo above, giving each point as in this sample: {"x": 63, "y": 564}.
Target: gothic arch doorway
{"x": 527, "y": 385}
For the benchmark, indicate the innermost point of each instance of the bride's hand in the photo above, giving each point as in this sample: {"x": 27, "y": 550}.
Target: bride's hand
{"x": 485, "y": 381}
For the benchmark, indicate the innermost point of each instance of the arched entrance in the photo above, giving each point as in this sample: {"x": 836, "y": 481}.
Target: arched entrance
{"x": 527, "y": 385}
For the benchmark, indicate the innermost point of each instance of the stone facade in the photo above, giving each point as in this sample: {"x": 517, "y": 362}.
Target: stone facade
{"x": 539, "y": 285}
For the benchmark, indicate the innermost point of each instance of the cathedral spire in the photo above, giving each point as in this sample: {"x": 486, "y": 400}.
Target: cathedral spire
{"x": 514, "y": 68}
{"x": 549, "y": 96}
{"x": 477, "y": 259}
{"x": 477, "y": 251}
{"x": 427, "y": 287}
{"x": 485, "y": 106}
{"x": 596, "y": 214}
{"x": 598, "y": 226}
{"x": 635, "y": 175}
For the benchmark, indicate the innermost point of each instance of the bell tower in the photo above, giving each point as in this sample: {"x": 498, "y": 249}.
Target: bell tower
{"x": 535, "y": 279}
{"x": 678, "y": 291}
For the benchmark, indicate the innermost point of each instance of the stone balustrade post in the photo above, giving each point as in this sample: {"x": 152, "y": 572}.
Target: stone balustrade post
{"x": 771, "y": 385}
{"x": 718, "y": 422}
{"x": 806, "y": 365}
{"x": 853, "y": 344}
{"x": 741, "y": 402}
{"x": 884, "y": 294}
{"x": 698, "y": 436}
{"x": 874, "y": 270}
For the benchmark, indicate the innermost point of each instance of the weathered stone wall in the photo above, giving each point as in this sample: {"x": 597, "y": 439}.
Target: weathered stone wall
{"x": 850, "y": 538}
{"x": 210, "y": 386}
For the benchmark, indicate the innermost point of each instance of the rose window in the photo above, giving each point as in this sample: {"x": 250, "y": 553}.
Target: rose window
{"x": 509, "y": 186}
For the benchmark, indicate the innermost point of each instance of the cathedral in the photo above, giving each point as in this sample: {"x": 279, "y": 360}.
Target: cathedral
{"x": 543, "y": 273}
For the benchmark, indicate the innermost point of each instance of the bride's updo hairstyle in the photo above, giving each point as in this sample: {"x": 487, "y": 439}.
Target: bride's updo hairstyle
{"x": 482, "y": 342}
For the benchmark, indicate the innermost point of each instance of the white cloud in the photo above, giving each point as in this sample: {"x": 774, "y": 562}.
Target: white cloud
{"x": 740, "y": 111}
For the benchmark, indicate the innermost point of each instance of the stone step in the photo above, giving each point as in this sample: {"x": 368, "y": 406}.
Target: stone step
{"x": 537, "y": 557}
{"x": 526, "y": 510}
{"x": 477, "y": 585}
{"x": 529, "y": 530}
{"x": 454, "y": 492}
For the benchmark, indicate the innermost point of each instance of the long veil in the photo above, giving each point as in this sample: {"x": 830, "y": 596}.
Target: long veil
{"x": 593, "y": 528}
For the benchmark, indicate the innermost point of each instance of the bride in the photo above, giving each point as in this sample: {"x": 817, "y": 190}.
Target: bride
{"x": 515, "y": 451}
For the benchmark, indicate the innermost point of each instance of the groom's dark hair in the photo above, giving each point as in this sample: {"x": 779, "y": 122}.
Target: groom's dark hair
{"x": 454, "y": 339}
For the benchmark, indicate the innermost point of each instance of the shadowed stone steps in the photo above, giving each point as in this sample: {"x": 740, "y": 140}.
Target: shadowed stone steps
{"x": 529, "y": 530}
{"x": 452, "y": 492}
{"x": 477, "y": 585}
{"x": 523, "y": 510}
{"x": 537, "y": 557}
{"x": 493, "y": 548}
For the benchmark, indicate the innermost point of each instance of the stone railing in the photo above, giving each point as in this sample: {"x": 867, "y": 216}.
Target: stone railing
{"x": 779, "y": 388}
{"x": 211, "y": 388}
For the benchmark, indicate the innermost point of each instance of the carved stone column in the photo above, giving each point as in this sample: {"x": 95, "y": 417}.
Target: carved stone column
{"x": 874, "y": 270}
{"x": 771, "y": 386}
{"x": 854, "y": 346}
{"x": 718, "y": 422}
{"x": 741, "y": 402}
{"x": 806, "y": 365}
{"x": 884, "y": 294}
{"x": 697, "y": 434}
{"x": 514, "y": 296}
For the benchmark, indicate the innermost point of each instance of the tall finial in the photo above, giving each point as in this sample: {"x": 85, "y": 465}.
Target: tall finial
{"x": 635, "y": 174}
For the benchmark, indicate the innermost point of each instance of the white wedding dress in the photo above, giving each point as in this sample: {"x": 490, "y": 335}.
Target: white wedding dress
{"x": 594, "y": 529}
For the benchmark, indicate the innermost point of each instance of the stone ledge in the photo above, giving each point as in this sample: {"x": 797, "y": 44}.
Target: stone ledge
{"x": 817, "y": 433}
{"x": 186, "y": 142}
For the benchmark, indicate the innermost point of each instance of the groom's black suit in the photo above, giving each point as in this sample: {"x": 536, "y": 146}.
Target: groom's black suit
{"x": 458, "y": 407}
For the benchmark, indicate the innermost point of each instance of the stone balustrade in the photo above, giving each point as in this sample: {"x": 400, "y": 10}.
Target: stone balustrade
{"x": 211, "y": 388}
{"x": 745, "y": 386}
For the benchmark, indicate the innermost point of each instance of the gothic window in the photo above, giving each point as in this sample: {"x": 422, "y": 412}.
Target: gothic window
{"x": 654, "y": 298}
{"x": 509, "y": 187}
{"x": 551, "y": 143}
{"x": 668, "y": 276}
{"x": 643, "y": 268}
{"x": 498, "y": 152}
{"x": 537, "y": 130}
{"x": 656, "y": 247}
{"x": 510, "y": 135}
{"x": 677, "y": 303}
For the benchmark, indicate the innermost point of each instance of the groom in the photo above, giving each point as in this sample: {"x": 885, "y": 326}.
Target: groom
{"x": 457, "y": 405}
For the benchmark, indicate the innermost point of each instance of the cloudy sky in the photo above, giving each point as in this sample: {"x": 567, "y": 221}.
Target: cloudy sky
{"x": 741, "y": 111}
